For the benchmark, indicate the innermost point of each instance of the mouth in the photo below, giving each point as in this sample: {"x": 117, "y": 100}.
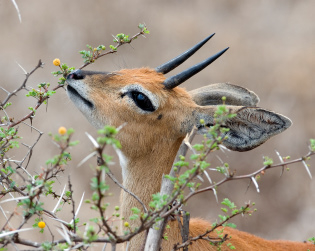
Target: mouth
{"x": 74, "y": 94}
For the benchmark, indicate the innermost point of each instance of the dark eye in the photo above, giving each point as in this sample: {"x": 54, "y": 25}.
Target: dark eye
{"x": 142, "y": 101}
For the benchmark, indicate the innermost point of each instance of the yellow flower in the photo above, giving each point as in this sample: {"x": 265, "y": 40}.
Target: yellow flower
{"x": 56, "y": 62}
{"x": 41, "y": 224}
{"x": 126, "y": 224}
{"x": 62, "y": 130}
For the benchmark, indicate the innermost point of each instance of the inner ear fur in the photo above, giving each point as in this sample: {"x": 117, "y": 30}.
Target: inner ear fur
{"x": 235, "y": 95}
{"x": 250, "y": 127}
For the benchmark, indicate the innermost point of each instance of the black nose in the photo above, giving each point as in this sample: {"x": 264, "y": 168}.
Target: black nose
{"x": 76, "y": 75}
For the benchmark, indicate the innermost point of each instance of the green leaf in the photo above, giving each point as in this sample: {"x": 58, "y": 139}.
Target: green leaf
{"x": 228, "y": 203}
{"x": 6, "y": 105}
{"x": 135, "y": 210}
{"x": 134, "y": 217}
{"x": 73, "y": 143}
{"x": 312, "y": 141}
{"x": 204, "y": 165}
{"x": 95, "y": 196}
{"x": 231, "y": 225}
{"x": 181, "y": 163}
{"x": 225, "y": 210}
{"x": 268, "y": 161}
{"x": 12, "y": 184}
{"x": 113, "y": 47}
{"x": 194, "y": 156}
{"x": 198, "y": 147}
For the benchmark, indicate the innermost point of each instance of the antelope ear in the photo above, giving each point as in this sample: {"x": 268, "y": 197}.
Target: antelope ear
{"x": 250, "y": 127}
{"x": 235, "y": 95}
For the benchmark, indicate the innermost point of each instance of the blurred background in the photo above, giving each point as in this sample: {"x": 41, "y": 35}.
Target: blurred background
{"x": 271, "y": 52}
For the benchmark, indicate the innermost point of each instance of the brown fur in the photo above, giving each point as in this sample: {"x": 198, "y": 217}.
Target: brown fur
{"x": 150, "y": 144}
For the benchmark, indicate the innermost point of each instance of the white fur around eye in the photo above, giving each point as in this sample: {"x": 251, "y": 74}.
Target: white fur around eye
{"x": 139, "y": 88}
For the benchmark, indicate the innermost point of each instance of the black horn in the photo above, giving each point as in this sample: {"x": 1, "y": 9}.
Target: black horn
{"x": 172, "y": 64}
{"x": 176, "y": 80}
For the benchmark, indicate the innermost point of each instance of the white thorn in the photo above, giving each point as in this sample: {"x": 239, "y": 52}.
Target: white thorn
{"x": 224, "y": 148}
{"x": 255, "y": 183}
{"x": 115, "y": 38}
{"x": 200, "y": 178}
{"x": 281, "y": 160}
{"x": 215, "y": 195}
{"x": 17, "y": 198}
{"x": 86, "y": 159}
{"x": 94, "y": 142}
{"x": 54, "y": 210}
{"x": 220, "y": 159}
{"x": 64, "y": 234}
{"x": 17, "y": 10}
{"x": 29, "y": 175}
{"x": 25, "y": 72}
{"x": 76, "y": 213}
{"x": 127, "y": 247}
{"x": 208, "y": 177}
{"x": 56, "y": 219}
{"x": 307, "y": 169}
{"x": 15, "y": 231}
{"x": 103, "y": 249}
{"x": 187, "y": 143}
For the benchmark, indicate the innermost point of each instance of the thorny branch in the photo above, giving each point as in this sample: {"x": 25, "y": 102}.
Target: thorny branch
{"x": 23, "y": 86}
{"x": 172, "y": 208}
{"x": 155, "y": 235}
{"x": 73, "y": 204}
{"x": 232, "y": 176}
{"x": 148, "y": 221}
{"x": 119, "y": 43}
{"x": 49, "y": 173}
{"x": 204, "y": 236}
{"x": 32, "y": 113}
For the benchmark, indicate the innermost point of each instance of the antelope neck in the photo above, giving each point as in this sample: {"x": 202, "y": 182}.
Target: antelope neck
{"x": 142, "y": 175}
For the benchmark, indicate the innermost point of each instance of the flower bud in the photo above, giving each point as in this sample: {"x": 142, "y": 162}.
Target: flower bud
{"x": 56, "y": 62}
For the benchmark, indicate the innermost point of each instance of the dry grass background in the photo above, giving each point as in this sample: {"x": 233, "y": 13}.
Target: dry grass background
{"x": 272, "y": 53}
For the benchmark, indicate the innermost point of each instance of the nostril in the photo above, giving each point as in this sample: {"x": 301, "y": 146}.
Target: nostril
{"x": 76, "y": 75}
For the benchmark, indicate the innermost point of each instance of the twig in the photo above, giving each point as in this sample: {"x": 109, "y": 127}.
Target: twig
{"x": 73, "y": 204}
{"x": 248, "y": 176}
{"x": 113, "y": 178}
{"x": 184, "y": 227}
{"x": 30, "y": 151}
{"x": 39, "y": 65}
{"x": 208, "y": 238}
{"x": 119, "y": 43}
{"x": 32, "y": 113}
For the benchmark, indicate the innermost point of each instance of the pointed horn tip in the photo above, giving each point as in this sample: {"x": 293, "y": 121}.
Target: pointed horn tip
{"x": 220, "y": 53}
{"x": 224, "y": 50}
{"x": 172, "y": 64}
{"x": 176, "y": 80}
{"x": 211, "y": 36}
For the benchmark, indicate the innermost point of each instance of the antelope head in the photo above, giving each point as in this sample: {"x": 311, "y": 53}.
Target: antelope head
{"x": 154, "y": 107}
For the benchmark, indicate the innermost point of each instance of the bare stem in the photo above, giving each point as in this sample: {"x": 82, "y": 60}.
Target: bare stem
{"x": 39, "y": 65}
